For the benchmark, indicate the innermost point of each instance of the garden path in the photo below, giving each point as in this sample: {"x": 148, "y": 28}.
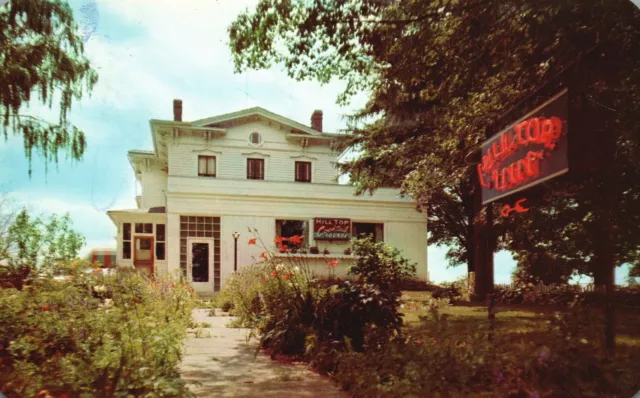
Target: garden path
{"x": 219, "y": 362}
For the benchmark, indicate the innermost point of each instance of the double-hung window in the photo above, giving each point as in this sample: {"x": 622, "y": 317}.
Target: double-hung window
{"x": 255, "y": 169}
{"x": 303, "y": 171}
{"x": 126, "y": 241}
{"x": 160, "y": 239}
{"x": 206, "y": 166}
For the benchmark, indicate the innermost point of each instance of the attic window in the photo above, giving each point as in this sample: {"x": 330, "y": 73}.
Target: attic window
{"x": 255, "y": 138}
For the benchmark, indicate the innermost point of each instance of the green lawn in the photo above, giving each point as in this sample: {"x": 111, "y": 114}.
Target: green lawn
{"x": 513, "y": 321}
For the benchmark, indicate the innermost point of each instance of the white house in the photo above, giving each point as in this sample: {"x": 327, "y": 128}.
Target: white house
{"x": 208, "y": 180}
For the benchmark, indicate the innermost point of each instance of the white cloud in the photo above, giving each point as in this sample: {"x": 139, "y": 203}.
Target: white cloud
{"x": 182, "y": 52}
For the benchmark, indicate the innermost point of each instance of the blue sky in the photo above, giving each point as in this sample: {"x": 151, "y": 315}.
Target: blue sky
{"x": 148, "y": 52}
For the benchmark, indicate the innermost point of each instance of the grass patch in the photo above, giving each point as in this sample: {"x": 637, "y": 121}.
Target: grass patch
{"x": 513, "y": 321}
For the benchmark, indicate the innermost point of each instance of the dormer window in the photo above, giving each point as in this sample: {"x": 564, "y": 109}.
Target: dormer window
{"x": 255, "y": 138}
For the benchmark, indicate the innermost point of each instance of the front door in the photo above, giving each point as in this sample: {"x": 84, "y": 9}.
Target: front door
{"x": 143, "y": 254}
{"x": 200, "y": 263}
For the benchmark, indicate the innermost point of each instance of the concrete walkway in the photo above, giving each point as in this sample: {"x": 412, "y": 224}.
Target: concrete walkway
{"x": 219, "y": 362}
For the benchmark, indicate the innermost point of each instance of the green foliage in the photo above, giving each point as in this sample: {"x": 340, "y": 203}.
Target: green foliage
{"x": 296, "y": 313}
{"x": 562, "y": 295}
{"x": 40, "y": 244}
{"x": 380, "y": 264}
{"x": 439, "y": 81}
{"x": 458, "y": 290}
{"x": 30, "y": 244}
{"x": 41, "y": 53}
{"x": 445, "y": 358}
{"x": 94, "y": 336}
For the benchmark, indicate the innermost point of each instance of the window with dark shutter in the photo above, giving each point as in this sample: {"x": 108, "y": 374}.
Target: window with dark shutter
{"x": 255, "y": 169}
{"x": 206, "y": 166}
{"x": 303, "y": 171}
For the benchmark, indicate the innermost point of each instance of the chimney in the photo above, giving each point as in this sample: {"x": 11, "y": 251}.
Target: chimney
{"x": 177, "y": 110}
{"x": 316, "y": 120}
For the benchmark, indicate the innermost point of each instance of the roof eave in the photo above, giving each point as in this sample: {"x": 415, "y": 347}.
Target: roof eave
{"x": 261, "y": 112}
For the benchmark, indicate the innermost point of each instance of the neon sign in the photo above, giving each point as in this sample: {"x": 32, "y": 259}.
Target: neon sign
{"x": 508, "y": 209}
{"x": 528, "y": 152}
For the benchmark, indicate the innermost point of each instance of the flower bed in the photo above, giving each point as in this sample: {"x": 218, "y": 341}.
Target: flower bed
{"x": 295, "y": 312}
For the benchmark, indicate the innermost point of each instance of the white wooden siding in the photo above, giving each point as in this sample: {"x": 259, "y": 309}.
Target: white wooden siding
{"x": 411, "y": 239}
{"x": 154, "y": 183}
{"x": 232, "y": 151}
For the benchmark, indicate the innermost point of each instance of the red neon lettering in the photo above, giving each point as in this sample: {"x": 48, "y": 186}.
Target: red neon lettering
{"x": 533, "y": 163}
{"x": 507, "y": 209}
{"x": 533, "y": 130}
{"x": 483, "y": 183}
{"x": 514, "y": 174}
{"x": 556, "y": 122}
{"x": 487, "y": 161}
{"x": 520, "y": 137}
{"x": 506, "y": 178}
{"x": 518, "y": 174}
{"x": 503, "y": 146}
{"x": 496, "y": 154}
{"x": 495, "y": 179}
{"x": 538, "y": 130}
{"x": 546, "y": 131}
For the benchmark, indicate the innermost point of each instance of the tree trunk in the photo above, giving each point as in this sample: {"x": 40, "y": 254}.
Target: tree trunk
{"x": 604, "y": 279}
{"x": 599, "y": 277}
{"x": 467, "y": 192}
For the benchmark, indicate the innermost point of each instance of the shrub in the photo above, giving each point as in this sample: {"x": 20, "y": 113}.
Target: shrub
{"x": 241, "y": 290}
{"x": 296, "y": 313}
{"x": 454, "y": 291}
{"x": 561, "y": 295}
{"x": 94, "y": 335}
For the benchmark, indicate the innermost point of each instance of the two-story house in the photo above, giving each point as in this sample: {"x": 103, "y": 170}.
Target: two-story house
{"x": 207, "y": 182}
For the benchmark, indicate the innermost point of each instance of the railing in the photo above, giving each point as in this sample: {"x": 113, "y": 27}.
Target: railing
{"x": 559, "y": 288}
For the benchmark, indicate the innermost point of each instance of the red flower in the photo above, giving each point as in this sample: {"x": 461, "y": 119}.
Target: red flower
{"x": 283, "y": 248}
{"x": 333, "y": 264}
{"x": 252, "y": 241}
{"x": 63, "y": 396}
{"x": 278, "y": 240}
{"x": 263, "y": 255}
{"x": 274, "y": 274}
{"x": 45, "y": 308}
{"x": 296, "y": 240}
{"x": 287, "y": 276}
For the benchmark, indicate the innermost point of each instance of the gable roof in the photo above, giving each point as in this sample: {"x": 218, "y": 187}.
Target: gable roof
{"x": 258, "y": 111}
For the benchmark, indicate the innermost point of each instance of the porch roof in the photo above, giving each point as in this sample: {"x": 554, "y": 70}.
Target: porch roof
{"x": 113, "y": 214}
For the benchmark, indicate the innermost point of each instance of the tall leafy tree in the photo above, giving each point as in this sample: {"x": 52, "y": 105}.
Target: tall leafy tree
{"x": 443, "y": 73}
{"x": 41, "y": 61}
{"x": 36, "y": 243}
